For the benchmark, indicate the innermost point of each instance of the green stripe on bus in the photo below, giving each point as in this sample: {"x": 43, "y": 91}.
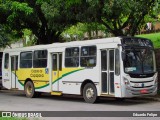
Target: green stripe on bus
{"x": 66, "y": 75}
{"x": 55, "y": 80}
{"x": 20, "y": 83}
{"x": 42, "y": 86}
{"x": 35, "y": 87}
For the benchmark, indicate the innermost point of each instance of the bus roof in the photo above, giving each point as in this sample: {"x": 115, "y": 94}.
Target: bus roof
{"x": 68, "y": 44}
{"x": 72, "y": 43}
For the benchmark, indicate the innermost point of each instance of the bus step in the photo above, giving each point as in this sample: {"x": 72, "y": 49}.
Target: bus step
{"x": 14, "y": 89}
{"x": 58, "y": 93}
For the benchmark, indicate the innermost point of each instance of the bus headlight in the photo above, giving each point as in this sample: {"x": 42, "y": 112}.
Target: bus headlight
{"x": 156, "y": 81}
{"x": 126, "y": 81}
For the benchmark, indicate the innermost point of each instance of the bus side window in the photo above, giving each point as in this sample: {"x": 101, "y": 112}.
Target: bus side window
{"x": 88, "y": 56}
{"x": 40, "y": 59}
{"x": 26, "y": 60}
{"x": 6, "y": 61}
{"x": 72, "y": 57}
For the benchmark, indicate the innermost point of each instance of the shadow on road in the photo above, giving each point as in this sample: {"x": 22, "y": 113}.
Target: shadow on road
{"x": 76, "y": 98}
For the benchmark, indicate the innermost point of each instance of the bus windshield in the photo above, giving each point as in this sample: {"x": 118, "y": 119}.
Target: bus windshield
{"x": 139, "y": 61}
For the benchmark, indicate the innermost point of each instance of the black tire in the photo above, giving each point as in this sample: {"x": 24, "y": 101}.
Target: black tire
{"x": 90, "y": 93}
{"x": 29, "y": 90}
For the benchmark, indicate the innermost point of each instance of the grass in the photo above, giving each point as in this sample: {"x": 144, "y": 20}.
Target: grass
{"x": 154, "y": 37}
{"x": 12, "y": 118}
{"x": 18, "y": 118}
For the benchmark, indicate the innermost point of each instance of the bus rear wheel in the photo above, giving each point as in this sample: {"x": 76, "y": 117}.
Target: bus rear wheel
{"x": 29, "y": 90}
{"x": 90, "y": 93}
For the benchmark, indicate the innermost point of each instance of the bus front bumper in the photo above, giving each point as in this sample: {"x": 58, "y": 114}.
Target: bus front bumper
{"x": 133, "y": 92}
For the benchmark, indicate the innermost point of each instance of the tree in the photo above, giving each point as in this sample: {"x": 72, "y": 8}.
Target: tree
{"x": 45, "y": 18}
{"x": 9, "y": 22}
{"x": 4, "y": 40}
{"x": 120, "y": 17}
{"x": 29, "y": 39}
{"x": 7, "y": 36}
{"x": 78, "y": 31}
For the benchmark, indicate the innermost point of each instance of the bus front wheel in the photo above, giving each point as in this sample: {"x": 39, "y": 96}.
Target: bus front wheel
{"x": 29, "y": 90}
{"x": 90, "y": 93}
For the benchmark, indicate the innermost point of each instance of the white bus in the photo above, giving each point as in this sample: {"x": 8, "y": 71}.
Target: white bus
{"x": 1, "y": 53}
{"x": 120, "y": 67}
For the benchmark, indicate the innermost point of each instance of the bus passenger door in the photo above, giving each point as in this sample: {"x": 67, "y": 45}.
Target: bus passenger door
{"x": 14, "y": 68}
{"x": 56, "y": 70}
{"x": 107, "y": 71}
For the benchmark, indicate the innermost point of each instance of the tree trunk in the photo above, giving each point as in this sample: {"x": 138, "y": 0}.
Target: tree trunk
{"x": 49, "y": 38}
{"x": 117, "y": 32}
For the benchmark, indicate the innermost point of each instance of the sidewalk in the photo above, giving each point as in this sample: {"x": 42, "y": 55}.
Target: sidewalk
{"x": 147, "y": 98}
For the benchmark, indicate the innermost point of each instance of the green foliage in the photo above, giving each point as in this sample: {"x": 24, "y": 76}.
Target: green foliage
{"x": 118, "y": 15}
{"x": 5, "y": 36}
{"x": 13, "y": 118}
{"x": 158, "y": 17}
{"x": 72, "y": 2}
{"x": 47, "y": 19}
{"x": 153, "y": 15}
{"x": 27, "y": 32}
{"x": 80, "y": 29}
{"x": 28, "y": 38}
{"x": 17, "y": 7}
{"x": 14, "y": 8}
{"x": 11, "y": 13}
{"x": 75, "y": 30}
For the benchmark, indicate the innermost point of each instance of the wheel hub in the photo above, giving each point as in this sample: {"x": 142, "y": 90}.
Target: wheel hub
{"x": 29, "y": 90}
{"x": 89, "y": 93}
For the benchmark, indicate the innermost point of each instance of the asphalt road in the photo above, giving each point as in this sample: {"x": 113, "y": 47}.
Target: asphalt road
{"x": 16, "y": 101}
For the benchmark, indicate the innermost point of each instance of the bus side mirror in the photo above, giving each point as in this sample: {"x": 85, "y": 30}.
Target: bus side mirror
{"x": 123, "y": 55}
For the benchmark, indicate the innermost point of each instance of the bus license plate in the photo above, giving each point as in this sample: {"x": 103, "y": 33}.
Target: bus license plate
{"x": 137, "y": 85}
